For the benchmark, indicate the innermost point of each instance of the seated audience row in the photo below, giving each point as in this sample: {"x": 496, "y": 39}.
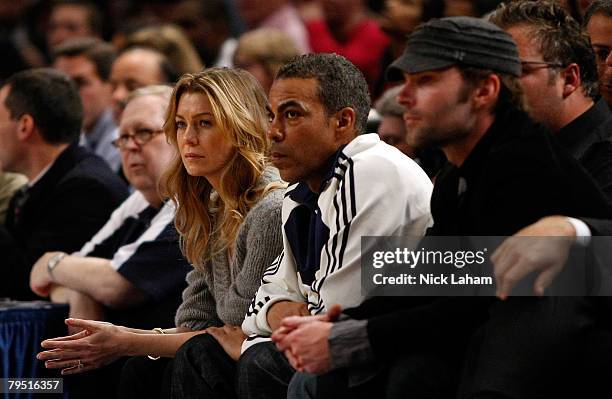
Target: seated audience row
{"x": 274, "y": 306}
{"x": 329, "y": 208}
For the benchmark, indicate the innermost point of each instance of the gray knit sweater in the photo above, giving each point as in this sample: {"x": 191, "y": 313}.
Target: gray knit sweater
{"x": 221, "y": 293}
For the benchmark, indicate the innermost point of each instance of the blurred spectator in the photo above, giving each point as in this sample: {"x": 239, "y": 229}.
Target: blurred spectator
{"x": 399, "y": 19}
{"x": 9, "y": 184}
{"x": 598, "y": 21}
{"x": 134, "y": 68}
{"x": 392, "y": 129}
{"x": 455, "y": 8}
{"x": 171, "y": 41}
{"x": 207, "y": 24}
{"x": 88, "y": 62}
{"x": 71, "y": 192}
{"x": 279, "y": 14}
{"x": 471, "y": 8}
{"x": 16, "y": 43}
{"x": 262, "y": 52}
{"x": 344, "y": 28}
{"x": 73, "y": 18}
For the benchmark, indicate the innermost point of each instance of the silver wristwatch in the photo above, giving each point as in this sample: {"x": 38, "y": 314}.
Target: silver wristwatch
{"x": 54, "y": 261}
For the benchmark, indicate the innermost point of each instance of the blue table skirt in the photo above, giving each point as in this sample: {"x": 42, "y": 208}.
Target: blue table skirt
{"x": 23, "y": 325}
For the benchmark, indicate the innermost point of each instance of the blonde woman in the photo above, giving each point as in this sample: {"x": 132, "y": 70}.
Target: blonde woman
{"x": 228, "y": 216}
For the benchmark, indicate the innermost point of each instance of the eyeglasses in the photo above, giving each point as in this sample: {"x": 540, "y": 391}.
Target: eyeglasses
{"x": 529, "y": 66}
{"x": 140, "y": 136}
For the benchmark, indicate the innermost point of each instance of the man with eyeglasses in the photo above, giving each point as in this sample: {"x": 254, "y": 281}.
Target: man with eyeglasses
{"x": 560, "y": 83}
{"x": 559, "y": 75}
{"x": 131, "y": 272}
{"x": 559, "y": 70}
{"x": 598, "y": 22}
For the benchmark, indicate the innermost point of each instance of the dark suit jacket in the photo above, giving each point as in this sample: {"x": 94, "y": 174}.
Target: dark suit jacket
{"x": 589, "y": 139}
{"x": 70, "y": 203}
{"x": 515, "y": 175}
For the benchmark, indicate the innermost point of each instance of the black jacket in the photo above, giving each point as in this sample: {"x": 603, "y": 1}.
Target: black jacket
{"x": 63, "y": 210}
{"x": 515, "y": 175}
{"x": 588, "y": 138}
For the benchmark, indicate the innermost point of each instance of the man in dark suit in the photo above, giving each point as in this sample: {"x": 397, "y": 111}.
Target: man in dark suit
{"x": 71, "y": 192}
{"x": 462, "y": 94}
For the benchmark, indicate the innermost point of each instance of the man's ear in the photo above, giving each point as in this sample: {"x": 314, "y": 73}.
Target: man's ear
{"x": 25, "y": 127}
{"x": 571, "y": 79}
{"x": 344, "y": 123}
{"x": 486, "y": 92}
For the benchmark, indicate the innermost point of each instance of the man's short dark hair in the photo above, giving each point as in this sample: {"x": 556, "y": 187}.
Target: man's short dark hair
{"x": 340, "y": 83}
{"x": 598, "y": 7}
{"x": 95, "y": 19}
{"x": 561, "y": 38}
{"x": 100, "y": 53}
{"x": 51, "y": 98}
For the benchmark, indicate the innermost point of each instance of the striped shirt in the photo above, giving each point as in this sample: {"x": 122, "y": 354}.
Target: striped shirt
{"x": 371, "y": 189}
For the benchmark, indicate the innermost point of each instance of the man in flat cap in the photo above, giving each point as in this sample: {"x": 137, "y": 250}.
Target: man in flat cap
{"x": 462, "y": 94}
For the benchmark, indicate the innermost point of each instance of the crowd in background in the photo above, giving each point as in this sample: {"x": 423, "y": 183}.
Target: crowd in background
{"x": 369, "y": 33}
{"x": 258, "y": 36}
{"x": 187, "y": 35}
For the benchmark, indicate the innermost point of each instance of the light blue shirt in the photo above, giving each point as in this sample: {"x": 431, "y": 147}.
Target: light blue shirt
{"x": 100, "y": 140}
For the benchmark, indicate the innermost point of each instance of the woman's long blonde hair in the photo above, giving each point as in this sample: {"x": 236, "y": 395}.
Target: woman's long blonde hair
{"x": 208, "y": 222}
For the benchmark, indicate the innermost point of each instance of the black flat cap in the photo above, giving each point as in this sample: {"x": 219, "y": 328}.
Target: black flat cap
{"x": 442, "y": 43}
